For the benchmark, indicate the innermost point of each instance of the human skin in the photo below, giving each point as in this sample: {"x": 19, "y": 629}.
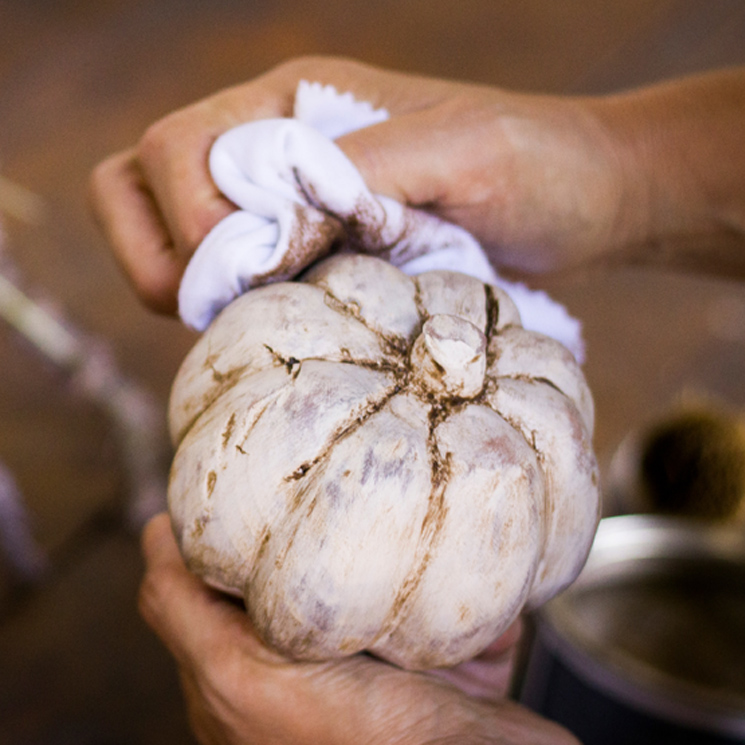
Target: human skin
{"x": 239, "y": 692}
{"x": 546, "y": 183}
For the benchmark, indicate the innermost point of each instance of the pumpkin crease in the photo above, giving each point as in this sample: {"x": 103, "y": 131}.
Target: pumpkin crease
{"x": 399, "y": 471}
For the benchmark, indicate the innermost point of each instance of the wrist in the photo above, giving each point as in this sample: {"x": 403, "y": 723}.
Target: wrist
{"x": 677, "y": 148}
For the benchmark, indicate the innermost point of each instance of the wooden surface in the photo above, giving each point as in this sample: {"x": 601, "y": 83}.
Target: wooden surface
{"x": 79, "y": 80}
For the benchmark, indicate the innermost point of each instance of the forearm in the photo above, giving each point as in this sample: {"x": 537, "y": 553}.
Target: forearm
{"x": 681, "y": 149}
{"x": 545, "y": 183}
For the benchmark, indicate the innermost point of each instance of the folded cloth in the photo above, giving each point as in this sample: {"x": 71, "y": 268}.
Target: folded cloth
{"x": 299, "y": 198}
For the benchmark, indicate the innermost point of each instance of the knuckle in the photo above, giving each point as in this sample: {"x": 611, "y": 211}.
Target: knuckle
{"x": 155, "y": 138}
{"x": 195, "y": 223}
{"x": 105, "y": 175}
{"x": 157, "y": 296}
{"x": 162, "y": 142}
{"x": 147, "y": 597}
{"x": 299, "y": 65}
{"x": 312, "y": 65}
{"x": 155, "y": 282}
{"x": 102, "y": 172}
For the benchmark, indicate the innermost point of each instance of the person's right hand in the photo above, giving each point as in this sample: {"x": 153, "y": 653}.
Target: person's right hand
{"x": 533, "y": 177}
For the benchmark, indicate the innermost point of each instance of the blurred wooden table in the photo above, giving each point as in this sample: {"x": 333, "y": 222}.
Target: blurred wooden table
{"x": 79, "y": 80}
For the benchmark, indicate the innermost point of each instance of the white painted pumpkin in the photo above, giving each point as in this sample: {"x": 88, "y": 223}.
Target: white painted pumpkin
{"x": 384, "y": 463}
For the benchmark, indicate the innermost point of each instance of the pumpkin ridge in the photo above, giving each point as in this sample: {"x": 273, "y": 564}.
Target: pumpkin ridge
{"x": 493, "y": 330}
{"x": 344, "y": 430}
{"x": 228, "y": 431}
{"x": 520, "y": 428}
{"x": 225, "y": 382}
{"x": 291, "y": 364}
{"x": 492, "y": 319}
{"x": 424, "y": 314}
{"x": 431, "y": 528}
{"x": 397, "y": 345}
{"x": 300, "y": 508}
{"x": 289, "y": 538}
{"x": 553, "y": 385}
{"x": 261, "y": 405}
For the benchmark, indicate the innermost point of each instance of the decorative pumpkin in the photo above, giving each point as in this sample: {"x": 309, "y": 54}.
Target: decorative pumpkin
{"x": 381, "y": 462}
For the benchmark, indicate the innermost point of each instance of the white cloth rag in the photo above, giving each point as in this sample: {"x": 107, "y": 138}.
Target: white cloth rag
{"x": 299, "y": 197}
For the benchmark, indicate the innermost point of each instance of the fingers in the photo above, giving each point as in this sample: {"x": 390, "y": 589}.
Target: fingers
{"x": 196, "y": 623}
{"x": 235, "y": 693}
{"x": 410, "y": 157}
{"x": 127, "y": 213}
{"x": 488, "y": 675}
{"x": 441, "y": 156}
{"x": 156, "y": 202}
{"x": 166, "y": 586}
{"x": 389, "y": 157}
{"x": 173, "y": 156}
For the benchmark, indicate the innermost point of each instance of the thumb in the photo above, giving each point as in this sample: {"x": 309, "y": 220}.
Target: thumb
{"x": 193, "y": 621}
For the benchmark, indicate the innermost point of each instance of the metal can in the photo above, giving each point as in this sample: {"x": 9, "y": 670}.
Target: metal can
{"x": 648, "y": 645}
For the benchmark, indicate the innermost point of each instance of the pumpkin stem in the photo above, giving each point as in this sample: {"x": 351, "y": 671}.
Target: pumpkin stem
{"x": 449, "y": 357}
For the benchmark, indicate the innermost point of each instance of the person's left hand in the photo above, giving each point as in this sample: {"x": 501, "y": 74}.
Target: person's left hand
{"x": 239, "y": 691}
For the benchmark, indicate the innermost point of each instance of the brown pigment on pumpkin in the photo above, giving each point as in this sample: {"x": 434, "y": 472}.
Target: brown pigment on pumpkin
{"x": 269, "y": 400}
{"x": 291, "y": 364}
{"x": 420, "y": 307}
{"x": 345, "y": 429}
{"x": 396, "y": 345}
{"x": 211, "y": 481}
{"x": 263, "y": 541}
{"x": 530, "y": 437}
{"x": 492, "y": 319}
{"x": 430, "y": 530}
{"x": 200, "y": 524}
{"x": 228, "y": 431}
{"x": 227, "y": 380}
{"x": 224, "y": 382}
{"x": 297, "y": 501}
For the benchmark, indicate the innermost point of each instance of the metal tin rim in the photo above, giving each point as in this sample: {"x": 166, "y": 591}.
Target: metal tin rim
{"x": 619, "y": 541}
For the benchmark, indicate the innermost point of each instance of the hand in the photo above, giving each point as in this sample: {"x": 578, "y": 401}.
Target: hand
{"x": 240, "y": 692}
{"x": 535, "y": 178}
{"x": 546, "y": 183}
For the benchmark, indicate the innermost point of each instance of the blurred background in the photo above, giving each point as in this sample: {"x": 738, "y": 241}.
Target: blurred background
{"x": 84, "y": 383}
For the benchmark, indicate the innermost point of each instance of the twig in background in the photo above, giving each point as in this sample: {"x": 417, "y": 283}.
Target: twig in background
{"x": 23, "y": 555}
{"x": 93, "y": 370}
{"x": 91, "y": 366}
{"x": 17, "y": 201}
